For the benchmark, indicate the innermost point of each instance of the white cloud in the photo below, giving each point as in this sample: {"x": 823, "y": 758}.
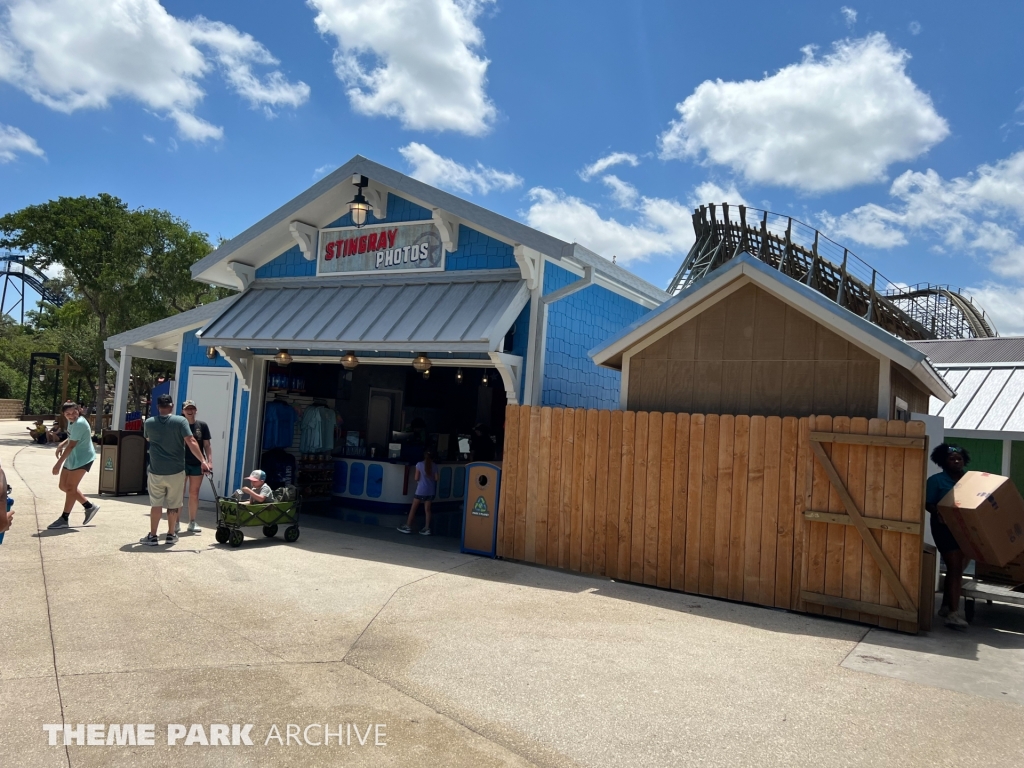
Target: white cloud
{"x": 14, "y": 140}
{"x": 431, "y": 168}
{"x": 664, "y": 228}
{"x": 624, "y": 193}
{"x": 606, "y": 162}
{"x": 819, "y": 125}
{"x": 323, "y": 170}
{"x": 915, "y": 27}
{"x": 980, "y": 212}
{"x": 849, "y": 15}
{"x": 1003, "y": 304}
{"x": 416, "y": 60}
{"x": 710, "y": 192}
{"x": 149, "y": 139}
{"x": 72, "y": 55}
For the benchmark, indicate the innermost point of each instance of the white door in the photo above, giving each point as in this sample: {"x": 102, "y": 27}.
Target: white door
{"x": 211, "y": 388}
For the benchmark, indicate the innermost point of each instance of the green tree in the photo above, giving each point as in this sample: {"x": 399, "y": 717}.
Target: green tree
{"x": 126, "y": 267}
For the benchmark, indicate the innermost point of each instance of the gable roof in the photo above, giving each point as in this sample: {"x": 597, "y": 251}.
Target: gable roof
{"x": 747, "y": 269}
{"x": 327, "y": 200}
{"x": 1001, "y": 349}
{"x": 165, "y": 334}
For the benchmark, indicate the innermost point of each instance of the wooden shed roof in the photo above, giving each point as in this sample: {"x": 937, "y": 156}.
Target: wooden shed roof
{"x": 746, "y": 269}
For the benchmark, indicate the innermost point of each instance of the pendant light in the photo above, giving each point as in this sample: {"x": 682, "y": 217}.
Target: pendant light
{"x": 426, "y": 374}
{"x": 350, "y": 361}
{"x": 358, "y": 206}
{"x": 211, "y": 353}
{"x": 458, "y": 376}
{"x": 282, "y": 358}
{"x": 485, "y": 381}
{"x": 421, "y": 363}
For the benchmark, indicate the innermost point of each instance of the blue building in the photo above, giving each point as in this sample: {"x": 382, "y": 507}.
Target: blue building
{"x": 490, "y": 310}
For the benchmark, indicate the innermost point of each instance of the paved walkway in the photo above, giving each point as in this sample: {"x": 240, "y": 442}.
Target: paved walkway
{"x": 465, "y": 661}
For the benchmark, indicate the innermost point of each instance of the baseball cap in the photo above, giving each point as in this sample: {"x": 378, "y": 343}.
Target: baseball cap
{"x": 165, "y": 400}
{"x": 258, "y": 475}
{"x": 188, "y": 404}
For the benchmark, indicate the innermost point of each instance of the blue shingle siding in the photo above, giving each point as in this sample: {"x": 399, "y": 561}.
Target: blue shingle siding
{"x": 399, "y": 209}
{"x": 291, "y": 263}
{"x": 521, "y": 343}
{"x": 475, "y": 250}
{"x": 479, "y": 251}
{"x": 575, "y": 325}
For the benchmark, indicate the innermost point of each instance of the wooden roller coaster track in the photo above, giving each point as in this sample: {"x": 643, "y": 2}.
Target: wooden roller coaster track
{"x": 793, "y": 248}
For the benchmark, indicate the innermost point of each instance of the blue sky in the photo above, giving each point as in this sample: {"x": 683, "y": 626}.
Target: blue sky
{"x": 897, "y": 128}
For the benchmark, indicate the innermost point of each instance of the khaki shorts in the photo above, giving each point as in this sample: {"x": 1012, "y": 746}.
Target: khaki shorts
{"x": 166, "y": 491}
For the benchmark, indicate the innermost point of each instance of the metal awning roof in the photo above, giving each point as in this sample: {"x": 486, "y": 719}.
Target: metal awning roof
{"x": 988, "y": 398}
{"x": 436, "y": 312}
{"x": 166, "y": 334}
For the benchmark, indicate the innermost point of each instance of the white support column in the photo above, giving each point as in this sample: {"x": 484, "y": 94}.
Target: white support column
{"x": 884, "y": 387}
{"x": 121, "y": 387}
{"x": 1007, "y": 447}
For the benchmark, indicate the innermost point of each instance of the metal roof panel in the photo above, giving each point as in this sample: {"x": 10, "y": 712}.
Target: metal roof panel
{"x": 438, "y": 312}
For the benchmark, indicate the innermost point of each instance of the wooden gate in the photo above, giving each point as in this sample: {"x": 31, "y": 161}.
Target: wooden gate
{"x": 817, "y": 514}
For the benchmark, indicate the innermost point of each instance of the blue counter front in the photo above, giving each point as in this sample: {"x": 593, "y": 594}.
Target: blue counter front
{"x": 388, "y": 487}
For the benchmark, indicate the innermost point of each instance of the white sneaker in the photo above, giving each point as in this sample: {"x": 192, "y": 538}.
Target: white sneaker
{"x": 193, "y": 528}
{"x": 955, "y": 621}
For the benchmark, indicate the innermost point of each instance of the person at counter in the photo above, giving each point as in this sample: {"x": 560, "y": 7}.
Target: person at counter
{"x": 426, "y": 489}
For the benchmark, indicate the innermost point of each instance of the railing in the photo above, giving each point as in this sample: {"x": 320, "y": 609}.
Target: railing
{"x": 806, "y": 255}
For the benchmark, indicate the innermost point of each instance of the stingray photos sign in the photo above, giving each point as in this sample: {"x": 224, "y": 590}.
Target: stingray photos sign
{"x": 401, "y": 247}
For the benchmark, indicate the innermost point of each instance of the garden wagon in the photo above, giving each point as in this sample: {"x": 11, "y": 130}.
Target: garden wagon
{"x": 233, "y": 516}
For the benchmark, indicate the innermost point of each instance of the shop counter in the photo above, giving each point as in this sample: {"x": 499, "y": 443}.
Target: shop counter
{"x": 388, "y": 486}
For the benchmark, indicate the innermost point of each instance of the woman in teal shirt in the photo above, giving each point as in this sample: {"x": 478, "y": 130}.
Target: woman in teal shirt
{"x": 74, "y": 458}
{"x": 952, "y": 459}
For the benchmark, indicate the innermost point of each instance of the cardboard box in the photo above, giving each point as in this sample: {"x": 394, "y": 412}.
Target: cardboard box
{"x": 1011, "y": 573}
{"x": 986, "y": 515}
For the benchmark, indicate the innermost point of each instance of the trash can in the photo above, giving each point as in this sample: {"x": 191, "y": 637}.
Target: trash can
{"x": 480, "y": 516}
{"x": 122, "y": 462}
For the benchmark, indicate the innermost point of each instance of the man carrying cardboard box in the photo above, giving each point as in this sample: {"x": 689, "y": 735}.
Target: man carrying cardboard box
{"x": 952, "y": 459}
{"x": 979, "y": 513}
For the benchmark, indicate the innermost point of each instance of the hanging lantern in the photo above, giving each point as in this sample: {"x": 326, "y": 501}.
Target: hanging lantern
{"x": 485, "y": 381}
{"x": 358, "y": 206}
{"x": 350, "y": 361}
{"x": 211, "y": 353}
{"x": 421, "y": 363}
{"x": 458, "y": 376}
{"x": 42, "y": 377}
{"x": 283, "y": 358}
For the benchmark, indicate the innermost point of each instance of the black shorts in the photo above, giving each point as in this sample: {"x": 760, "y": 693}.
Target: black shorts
{"x": 945, "y": 541}
{"x": 424, "y": 497}
{"x": 85, "y": 467}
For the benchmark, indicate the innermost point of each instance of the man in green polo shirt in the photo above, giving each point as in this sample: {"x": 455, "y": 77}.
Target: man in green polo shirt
{"x": 168, "y": 436}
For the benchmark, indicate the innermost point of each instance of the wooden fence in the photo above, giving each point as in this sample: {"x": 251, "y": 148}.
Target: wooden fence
{"x": 816, "y": 514}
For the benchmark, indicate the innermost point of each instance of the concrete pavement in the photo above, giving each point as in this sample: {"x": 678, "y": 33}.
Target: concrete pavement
{"x": 465, "y": 661}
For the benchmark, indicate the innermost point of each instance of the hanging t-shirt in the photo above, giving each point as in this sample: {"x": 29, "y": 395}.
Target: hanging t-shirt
{"x": 278, "y": 425}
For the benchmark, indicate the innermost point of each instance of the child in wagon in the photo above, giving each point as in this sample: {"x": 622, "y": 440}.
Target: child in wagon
{"x": 260, "y": 492}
